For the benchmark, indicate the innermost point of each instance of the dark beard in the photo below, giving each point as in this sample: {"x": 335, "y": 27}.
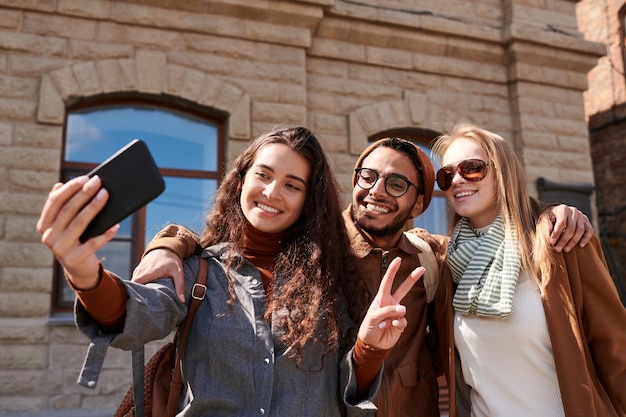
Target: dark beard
{"x": 397, "y": 224}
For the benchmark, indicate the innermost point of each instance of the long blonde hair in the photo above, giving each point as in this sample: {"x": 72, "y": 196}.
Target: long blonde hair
{"x": 513, "y": 199}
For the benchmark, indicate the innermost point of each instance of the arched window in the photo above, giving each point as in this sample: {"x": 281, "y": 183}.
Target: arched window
{"x": 435, "y": 218}
{"x": 187, "y": 145}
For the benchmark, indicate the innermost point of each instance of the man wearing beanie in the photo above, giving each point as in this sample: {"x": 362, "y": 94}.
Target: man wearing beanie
{"x": 393, "y": 182}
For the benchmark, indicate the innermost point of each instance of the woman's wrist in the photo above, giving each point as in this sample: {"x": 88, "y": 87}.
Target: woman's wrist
{"x": 88, "y": 284}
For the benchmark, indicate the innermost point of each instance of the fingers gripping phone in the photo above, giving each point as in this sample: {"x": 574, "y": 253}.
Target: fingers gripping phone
{"x": 132, "y": 179}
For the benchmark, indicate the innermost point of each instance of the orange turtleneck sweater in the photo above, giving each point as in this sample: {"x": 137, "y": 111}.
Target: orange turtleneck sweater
{"x": 261, "y": 249}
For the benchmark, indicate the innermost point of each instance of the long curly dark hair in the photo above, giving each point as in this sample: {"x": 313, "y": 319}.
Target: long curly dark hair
{"x": 314, "y": 274}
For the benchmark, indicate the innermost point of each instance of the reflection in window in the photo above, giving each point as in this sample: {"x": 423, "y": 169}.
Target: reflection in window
{"x": 188, "y": 149}
{"x": 435, "y": 218}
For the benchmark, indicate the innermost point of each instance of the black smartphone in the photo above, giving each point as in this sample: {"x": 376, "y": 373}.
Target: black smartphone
{"x": 132, "y": 179}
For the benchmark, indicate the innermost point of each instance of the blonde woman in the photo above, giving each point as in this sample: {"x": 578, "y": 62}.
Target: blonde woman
{"x": 538, "y": 332}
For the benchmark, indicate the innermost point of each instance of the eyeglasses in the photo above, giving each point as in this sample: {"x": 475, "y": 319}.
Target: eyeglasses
{"x": 471, "y": 170}
{"x": 395, "y": 185}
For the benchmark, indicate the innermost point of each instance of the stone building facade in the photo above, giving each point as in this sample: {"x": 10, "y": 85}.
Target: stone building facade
{"x": 348, "y": 69}
{"x": 605, "y": 109}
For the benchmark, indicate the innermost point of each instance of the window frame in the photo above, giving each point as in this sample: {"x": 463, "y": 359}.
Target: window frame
{"x": 138, "y": 219}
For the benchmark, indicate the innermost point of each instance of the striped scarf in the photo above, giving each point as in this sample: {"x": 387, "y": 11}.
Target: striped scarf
{"x": 485, "y": 266}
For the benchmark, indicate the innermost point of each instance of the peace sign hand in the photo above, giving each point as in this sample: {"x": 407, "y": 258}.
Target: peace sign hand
{"x": 385, "y": 319}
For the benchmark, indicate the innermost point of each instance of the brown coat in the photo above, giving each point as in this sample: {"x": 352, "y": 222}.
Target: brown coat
{"x": 587, "y": 325}
{"x": 409, "y": 386}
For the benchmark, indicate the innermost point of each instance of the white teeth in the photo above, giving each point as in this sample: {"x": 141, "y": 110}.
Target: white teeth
{"x": 268, "y": 208}
{"x": 464, "y": 194}
{"x": 377, "y": 209}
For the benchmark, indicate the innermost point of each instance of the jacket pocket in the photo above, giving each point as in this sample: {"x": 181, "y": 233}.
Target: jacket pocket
{"x": 409, "y": 375}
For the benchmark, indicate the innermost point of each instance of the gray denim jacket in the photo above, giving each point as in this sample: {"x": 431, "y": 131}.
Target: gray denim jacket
{"x": 233, "y": 364}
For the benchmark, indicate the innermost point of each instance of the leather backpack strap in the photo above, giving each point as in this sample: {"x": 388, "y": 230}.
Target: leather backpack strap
{"x": 429, "y": 262}
{"x": 138, "y": 381}
{"x": 198, "y": 293}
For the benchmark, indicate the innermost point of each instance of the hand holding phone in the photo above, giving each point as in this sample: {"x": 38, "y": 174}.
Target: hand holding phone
{"x": 132, "y": 180}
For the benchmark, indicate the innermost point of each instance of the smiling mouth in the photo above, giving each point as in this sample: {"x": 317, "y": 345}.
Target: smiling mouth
{"x": 269, "y": 209}
{"x": 464, "y": 194}
{"x": 375, "y": 208}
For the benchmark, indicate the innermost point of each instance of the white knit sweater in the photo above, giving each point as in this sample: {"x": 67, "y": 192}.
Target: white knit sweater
{"x": 509, "y": 362}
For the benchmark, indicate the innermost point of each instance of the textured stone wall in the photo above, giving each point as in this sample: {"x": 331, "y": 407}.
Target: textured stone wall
{"x": 605, "y": 109}
{"x": 345, "y": 69}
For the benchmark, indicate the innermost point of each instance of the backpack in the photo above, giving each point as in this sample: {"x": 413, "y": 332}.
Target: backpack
{"x": 429, "y": 262}
{"x": 158, "y": 385}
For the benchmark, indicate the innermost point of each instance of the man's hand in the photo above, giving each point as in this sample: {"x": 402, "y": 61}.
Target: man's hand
{"x": 385, "y": 319}
{"x": 159, "y": 263}
{"x": 568, "y": 227}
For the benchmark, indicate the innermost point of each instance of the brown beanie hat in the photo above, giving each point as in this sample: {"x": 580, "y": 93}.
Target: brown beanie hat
{"x": 415, "y": 154}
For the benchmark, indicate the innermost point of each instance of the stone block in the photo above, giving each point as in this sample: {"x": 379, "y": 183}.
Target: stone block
{"x": 326, "y": 124}
{"x": 87, "y": 78}
{"x": 389, "y": 58}
{"x": 68, "y": 334}
{"x": 192, "y": 84}
{"x": 115, "y": 381}
{"x": 18, "y": 87}
{"x": 22, "y": 203}
{"x": 289, "y": 94}
{"x": 38, "y": 136}
{"x": 10, "y": 19}
{"x": 321, "y": 103}
{"x": 330, "y": 49}
{"x": 65, "y": 402}
{"x": 23, "y": 330}
{"x": 28, "y": 181}
{"x": 278, "y": 113}
{"x": 113, "y": 32}
{"x": 30, "y": 158}
{"x": 417, "y": 105}
{"x": 151, "y": 70}
{"x": 228, "y": 97}
{"x": 17, "y": 109}
{"x": 333, "y": 144}
{"x": 24, "y": 304}
{"x": 21, "y": 403}
{"x": 94, "y": 10}
{"x": 175, "y": 79}
{"x": 89, "y": 50}
{"x": 59, "y": 26}
{"x": 26, "y": 279}
{"x": 128, "y": 72}
{"x": 32, "y": 44}
{"x": 6, "y": 134}
{"x": 66, "y": 356}
{"x": 539, "y": 140}
{"x": 24, "y": 382}
{"x": 239, "y": 120}
{"x": 66, "y": 83}
{"x": 51, "y": 108}
{"x": 23, "y": 357}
